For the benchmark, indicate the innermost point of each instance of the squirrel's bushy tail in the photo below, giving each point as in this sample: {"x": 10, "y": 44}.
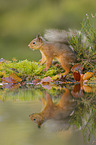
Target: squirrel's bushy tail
{"x": 62, "y": 36}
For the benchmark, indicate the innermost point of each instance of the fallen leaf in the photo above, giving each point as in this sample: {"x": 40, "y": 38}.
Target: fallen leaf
{"x": 87, "y": 75}
{"x": 76, "y": 76}
{"x": 8, "y": 80}
{"x": 15, "y": 77}
{"x": 47, "y": 80}
{"x": 87, "y": 89}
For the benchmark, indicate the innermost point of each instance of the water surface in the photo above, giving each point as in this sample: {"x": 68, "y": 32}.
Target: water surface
{"x": 37, "y": 116}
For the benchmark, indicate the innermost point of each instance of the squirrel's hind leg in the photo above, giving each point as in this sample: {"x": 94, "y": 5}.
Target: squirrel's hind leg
{"x": 48, "y": 62}
{"x": 65, "y": 66}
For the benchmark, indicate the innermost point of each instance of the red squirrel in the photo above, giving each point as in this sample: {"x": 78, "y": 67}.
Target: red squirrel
{"x": 57, "y": 47}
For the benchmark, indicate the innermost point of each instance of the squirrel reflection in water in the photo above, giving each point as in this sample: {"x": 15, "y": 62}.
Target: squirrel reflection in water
{"x": 60, "y": 111}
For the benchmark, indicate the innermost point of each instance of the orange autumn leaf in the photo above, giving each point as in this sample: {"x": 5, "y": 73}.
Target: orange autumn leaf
{"x": 87, "y": 89}
{"x": 87, "y": 75}
{"x": 15, "y": 77}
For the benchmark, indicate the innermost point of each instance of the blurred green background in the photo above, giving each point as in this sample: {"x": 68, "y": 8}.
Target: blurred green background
{"x": 21, "y": 20}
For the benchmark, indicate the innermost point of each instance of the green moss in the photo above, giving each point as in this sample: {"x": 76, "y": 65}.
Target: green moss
{"x": 26, "y": 68}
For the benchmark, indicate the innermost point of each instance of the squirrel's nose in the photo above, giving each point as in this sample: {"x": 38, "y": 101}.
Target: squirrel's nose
{"x": 28, "y": 45}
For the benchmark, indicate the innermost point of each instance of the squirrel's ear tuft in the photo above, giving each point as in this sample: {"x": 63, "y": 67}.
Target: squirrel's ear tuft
{"x": 39, "y": 38}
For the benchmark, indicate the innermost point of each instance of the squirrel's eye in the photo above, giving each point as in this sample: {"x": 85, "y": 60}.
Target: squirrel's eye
{"x": 33, "y": 42}
{"x": 34, "y": 119}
